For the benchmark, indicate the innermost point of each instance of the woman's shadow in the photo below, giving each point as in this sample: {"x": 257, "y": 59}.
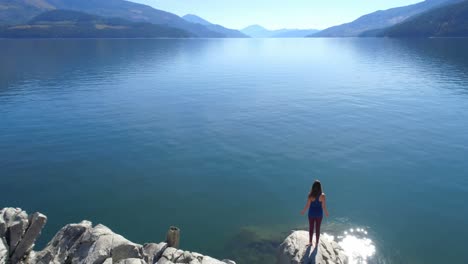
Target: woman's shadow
{"x": 309, "y": 256}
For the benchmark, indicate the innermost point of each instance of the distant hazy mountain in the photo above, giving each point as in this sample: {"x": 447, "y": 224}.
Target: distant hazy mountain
{"x": 257, "y": 31}
{"x": 74, "y": 24}
{"x": 295, "y": 33}
{"x": 381, "y": 19}
{"x": 21, "y": 11}
{"x": 446, "y": 21}
{"x": 230, "y": 33}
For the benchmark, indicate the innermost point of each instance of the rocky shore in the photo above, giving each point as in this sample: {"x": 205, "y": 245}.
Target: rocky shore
{"x": 88, "y": 244}
{"x": 82, "y": 243}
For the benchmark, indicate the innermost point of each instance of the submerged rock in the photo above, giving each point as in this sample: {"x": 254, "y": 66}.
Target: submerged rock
{"x": 81, "y": 244}
{"x": 253, "y": 244}
{"x": 294, "y": 250}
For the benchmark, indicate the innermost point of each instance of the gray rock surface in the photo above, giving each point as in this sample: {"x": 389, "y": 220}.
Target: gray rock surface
{"x": 294, "y": 250}
{"x": 3, "y": 251}
{"x": 172, "y": 255}
{"x": 152, "y": 252}
{"x": 14, "y": 234}
{"x": 63, "y": 244}
{"x": 99, "y": 243}
{"x": 131, "y": 261}
{"x": 3, "y": 227}
{"x": 82, "y": 243}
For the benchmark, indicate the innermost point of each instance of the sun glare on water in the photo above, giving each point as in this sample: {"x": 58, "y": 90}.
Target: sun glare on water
{"x": 356, "y": 245}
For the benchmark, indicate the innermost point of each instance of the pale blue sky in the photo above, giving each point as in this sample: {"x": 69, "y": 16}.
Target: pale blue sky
{"x": 275, "y": 14}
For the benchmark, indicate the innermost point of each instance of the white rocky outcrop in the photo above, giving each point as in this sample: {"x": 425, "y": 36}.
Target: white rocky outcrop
{"x": 294, "y": 250}
{"x": 81, "y": 244}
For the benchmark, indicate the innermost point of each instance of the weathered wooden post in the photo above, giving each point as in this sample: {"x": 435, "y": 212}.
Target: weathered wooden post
{"x": 173, "y": 237}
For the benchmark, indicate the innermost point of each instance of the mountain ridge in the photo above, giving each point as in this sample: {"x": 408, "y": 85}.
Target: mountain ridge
{"x": 196, "y": 19}
{"x": 231, "y": 33}
{"x": 446, "y": 21}
{"x": 257, "y": 31}
{"x": 380, "y": 19}
{"x": 74, "y": 24}
{"x": 21, "y": 11}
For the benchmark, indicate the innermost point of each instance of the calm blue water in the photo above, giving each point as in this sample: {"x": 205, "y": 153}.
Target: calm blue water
{"x": 218, "y": 135}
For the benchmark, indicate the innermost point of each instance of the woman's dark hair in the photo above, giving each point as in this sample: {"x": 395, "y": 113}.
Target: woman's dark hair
{"x": 316, "y": 190}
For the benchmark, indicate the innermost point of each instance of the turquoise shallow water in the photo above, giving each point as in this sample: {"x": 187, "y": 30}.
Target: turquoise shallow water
{"x": 218, "y": 135}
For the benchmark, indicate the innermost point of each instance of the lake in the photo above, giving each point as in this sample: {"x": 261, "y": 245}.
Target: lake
{"x": 224, "y": 137}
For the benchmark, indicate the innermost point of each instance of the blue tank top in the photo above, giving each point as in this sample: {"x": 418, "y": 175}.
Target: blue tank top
{"x": 315, "y": 209}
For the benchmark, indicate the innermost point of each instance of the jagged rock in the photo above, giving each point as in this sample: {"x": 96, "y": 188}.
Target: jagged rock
{"x": 63, "y": 244}
{"x": 14, "y": 234}
{"x": 13, "y": 226}
{"x": 3, "y": 251}
{"x": 10, "y": 215}
{"x": 100, "y": 243}
{"x": 3, "y": 227}
{"x": 83, "y": 244}
{"x": 37, "y": 222}
{"x": 13, "y": 215}
{"x": 131, "y": 261}
{"x": 108, "y": 261}
{"x": 294, "y": 250}
{"x": 170, "y": 254}
{"x": 152, "y": 252}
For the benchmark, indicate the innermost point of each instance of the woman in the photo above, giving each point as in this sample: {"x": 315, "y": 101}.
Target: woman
{"x": 317, "y": 204}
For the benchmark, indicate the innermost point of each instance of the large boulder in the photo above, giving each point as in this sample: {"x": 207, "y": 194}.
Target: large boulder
{"x": 99, "y": 243}
{"x": 63, "y": 245}
{"x": 84, "y": 244}
{"x": 294, "y": 250}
